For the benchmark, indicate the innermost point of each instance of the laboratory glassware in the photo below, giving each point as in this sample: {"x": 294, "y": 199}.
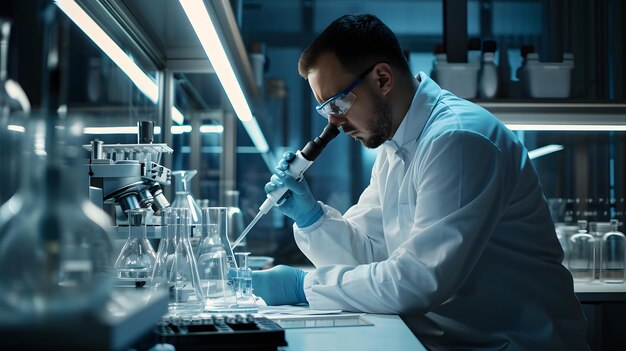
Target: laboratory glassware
{"x": 582, "y": 254}
{"x": 303, "y": 160}
{"x": 213, "y": 260}
{"x": 184, "y": 198}
{"x": 563, "y": 234}
{"x": 165, "y": 252}
{"x": 137, "y": 258}
{"x": 598, "y": 229}
{"x": 613, "y": 255}
{"x": 176, "y": 269}
{"x": 243, "y": 281}
{"x": 14, "y": 107}
{"x": 235, "y": 218}
{"x": 55, "y": 245}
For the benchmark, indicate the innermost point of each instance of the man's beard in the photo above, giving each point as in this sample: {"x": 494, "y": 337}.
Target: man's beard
{"x": 380, "y": 127}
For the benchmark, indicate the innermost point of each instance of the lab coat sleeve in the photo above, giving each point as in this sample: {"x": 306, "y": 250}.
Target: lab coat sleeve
{"x": 353, "y": 238}
{"x": 463, "y": 186}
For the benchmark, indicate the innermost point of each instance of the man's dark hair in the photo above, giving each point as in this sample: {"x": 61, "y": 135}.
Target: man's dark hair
{"x": 358, "y": 41}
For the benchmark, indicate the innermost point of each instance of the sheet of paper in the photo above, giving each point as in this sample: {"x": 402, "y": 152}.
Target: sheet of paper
{"x": 295, "y": 310}
{"x": 287, "y": 321}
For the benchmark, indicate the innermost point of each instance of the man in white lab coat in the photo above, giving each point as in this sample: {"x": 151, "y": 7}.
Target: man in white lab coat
{"x": 453, "y": 232}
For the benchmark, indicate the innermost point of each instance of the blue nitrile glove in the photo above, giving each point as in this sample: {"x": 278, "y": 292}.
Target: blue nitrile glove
{"x": 299, "y": 204}
{"x": 281, "y": 285}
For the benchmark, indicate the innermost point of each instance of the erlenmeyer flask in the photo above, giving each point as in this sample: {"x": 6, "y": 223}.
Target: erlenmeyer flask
{"x": 184, "y": 198}
{"x": 54, "y": 243}
{"x": 582, "y": 254}
{"x": 186, "y": 296}
{"x": 213, "y": 261}
{"x": 165, "y": 253}
{"x": 613, "y": 257}
{"x": 137, "y": 258}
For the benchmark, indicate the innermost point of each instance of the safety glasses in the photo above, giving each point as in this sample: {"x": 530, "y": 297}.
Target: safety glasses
{"x": 339, "y": 104}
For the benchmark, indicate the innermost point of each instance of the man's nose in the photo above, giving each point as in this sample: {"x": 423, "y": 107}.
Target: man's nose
{"x": 337, "y": 121}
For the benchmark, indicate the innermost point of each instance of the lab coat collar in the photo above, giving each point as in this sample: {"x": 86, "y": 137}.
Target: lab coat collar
{"x": 413, "y": 123}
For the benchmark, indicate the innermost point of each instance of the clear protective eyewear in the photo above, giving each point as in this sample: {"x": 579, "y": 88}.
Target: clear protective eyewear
{"x": 339, "y": 104}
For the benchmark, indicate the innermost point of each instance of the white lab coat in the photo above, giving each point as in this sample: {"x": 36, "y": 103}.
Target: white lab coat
{"x": 453, "y": 233}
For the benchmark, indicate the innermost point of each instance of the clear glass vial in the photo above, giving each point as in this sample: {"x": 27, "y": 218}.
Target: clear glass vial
{"x": 243, "y": 280}
{"x": 613, "y": 256}
{"x": 582, "y": 254}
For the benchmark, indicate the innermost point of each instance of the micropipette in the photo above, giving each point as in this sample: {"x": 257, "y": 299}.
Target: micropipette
{"x": 296, "y": 169}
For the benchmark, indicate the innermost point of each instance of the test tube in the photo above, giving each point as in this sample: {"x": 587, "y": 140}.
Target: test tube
{"x": 243, "y": 280}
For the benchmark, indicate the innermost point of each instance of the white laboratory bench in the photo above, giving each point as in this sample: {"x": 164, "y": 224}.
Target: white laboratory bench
{"x": 598, "y": 286}
{"x": 604, "y": 306}
{"x": 597, "y": 291}
{"x": 601, "y": 302}
{"x": 388, "y": 333}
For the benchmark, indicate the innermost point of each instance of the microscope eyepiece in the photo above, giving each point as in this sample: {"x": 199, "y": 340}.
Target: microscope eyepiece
{"x": 145, "y": 132}
{"x": 314, "y": 147}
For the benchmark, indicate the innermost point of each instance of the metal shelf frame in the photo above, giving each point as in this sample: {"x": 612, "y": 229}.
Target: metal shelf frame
{"x": 559, "y": 113}
{"x": 159, "y": 37}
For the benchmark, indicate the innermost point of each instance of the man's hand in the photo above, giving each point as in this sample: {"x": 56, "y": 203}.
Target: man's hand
{"x": 299, "y": 203}
{"x": 281, "y": 285}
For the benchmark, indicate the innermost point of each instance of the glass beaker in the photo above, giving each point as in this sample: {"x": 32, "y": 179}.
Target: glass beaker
{"x": 55, "y": 246}
{"x": 213, "y": 260}
{"x": 582, "y": 254}
{"x": 235, "y": 219}
{"x": 613, "y": 257}
{"x": 184, "y": 198}
{"x": 137, "y": 258}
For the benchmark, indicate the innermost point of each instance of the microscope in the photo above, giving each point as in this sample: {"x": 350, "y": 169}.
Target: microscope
{"x": 125, "y": 177}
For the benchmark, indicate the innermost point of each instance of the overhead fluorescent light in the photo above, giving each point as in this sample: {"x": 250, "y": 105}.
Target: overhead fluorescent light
{"x": 144, "y": 83}
{"x": 256, "y": 135}
{"x": 219, "y": 150}
{"x": 207, "y": 34}
{"x": 16, "y": 128}
{"x": 211, "y": 129}
{"x": 177, "y": 116}
{"x": 206, "y": 31}
{"x": 133, "y": 129}
{"x": 568, "y": 127}
{"x": 181, "y": 129}
{"x": 111, "y": 130}
{"x": 104, "y": 42}
{"x": 545, "y": 150}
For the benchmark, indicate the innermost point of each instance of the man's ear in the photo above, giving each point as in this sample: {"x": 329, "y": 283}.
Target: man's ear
{"x": 384, "y": 77}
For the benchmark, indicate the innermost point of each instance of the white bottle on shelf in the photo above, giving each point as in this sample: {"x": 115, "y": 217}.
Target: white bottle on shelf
{"x": 488, "y": 81}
